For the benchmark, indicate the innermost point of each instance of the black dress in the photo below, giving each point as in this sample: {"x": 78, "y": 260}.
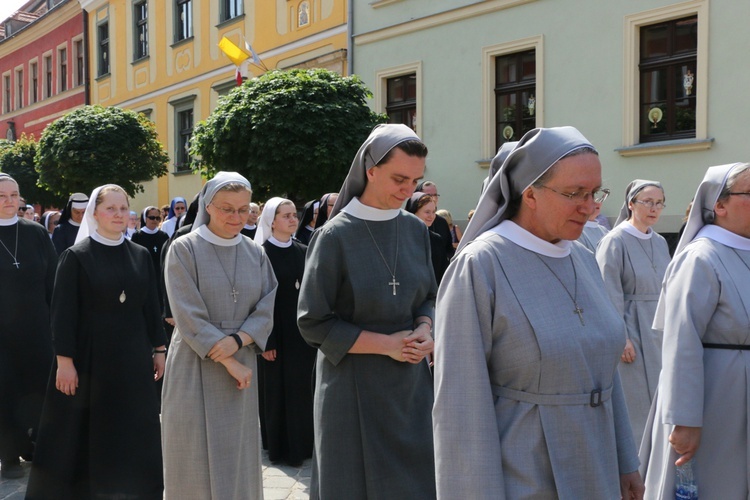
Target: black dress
{"x": 439, "y": 256}
{"x": 25, "y": 340}
{"x": 153, "y": 243}
{"x": 105, "y": 441}
{"x": 64, "y": 236}
{"x": 287, "y": 381}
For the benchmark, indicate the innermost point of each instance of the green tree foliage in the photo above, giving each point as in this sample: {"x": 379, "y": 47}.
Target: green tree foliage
{"x": 17, "y": 160}
{"x": 291, "y": 133}
{"x": 94, "y": 145}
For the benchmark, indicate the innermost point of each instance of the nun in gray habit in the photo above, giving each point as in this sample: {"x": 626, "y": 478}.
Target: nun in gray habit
{"x": 632, "y": 261}
{"x": 702, "y": 402}
{"x": 366, "y": 302}
{"x": 210, "y": 433}
{"x": 528, "y": 402}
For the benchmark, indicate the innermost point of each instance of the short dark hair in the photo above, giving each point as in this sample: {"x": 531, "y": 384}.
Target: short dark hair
{"x": 412, "y": 147}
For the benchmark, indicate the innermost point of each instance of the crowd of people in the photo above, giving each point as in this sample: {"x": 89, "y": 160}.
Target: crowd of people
{"x": 537, "y": 353}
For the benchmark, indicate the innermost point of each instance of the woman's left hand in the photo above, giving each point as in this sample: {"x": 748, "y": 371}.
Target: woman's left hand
{"x": 631, "y": 486}
{"x": 159, "y": 362}
{"x": 223, "y": 349}
{"x": 418, "y": 345}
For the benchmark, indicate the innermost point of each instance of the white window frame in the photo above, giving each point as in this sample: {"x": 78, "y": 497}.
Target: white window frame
{"x": 381, "y": 86}
{"x": 631, "y": 81}
{"x": 489, "y": 121}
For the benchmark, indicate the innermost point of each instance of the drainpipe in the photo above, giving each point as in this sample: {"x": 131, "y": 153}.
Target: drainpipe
{"x": 86, "y": 72}
{"x": 350, "y": 37}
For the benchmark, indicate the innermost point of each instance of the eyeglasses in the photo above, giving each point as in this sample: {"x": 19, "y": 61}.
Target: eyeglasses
{"x": 153, "y": 217}
{"x": 23, "y": 209}
{"x": 581, "y": 197}
{"x": 244, "y": 211}
{"x": 652, "y": 204}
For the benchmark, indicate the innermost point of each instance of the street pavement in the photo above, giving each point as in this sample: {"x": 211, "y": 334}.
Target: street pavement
{"x": 280, "y": 482}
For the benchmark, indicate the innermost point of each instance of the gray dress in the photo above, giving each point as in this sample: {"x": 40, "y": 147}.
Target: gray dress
{"x": 373, "y": 436}
{"x": 210, "y": 433}
{"x": 516, "y": 375}
{"x": 592, "y": 234}
{"x": 707, "y": 300}
{"x": 633, "y": 270}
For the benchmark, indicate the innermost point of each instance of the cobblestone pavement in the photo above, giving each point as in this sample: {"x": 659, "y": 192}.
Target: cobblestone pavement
{"x": 280, "y": 482}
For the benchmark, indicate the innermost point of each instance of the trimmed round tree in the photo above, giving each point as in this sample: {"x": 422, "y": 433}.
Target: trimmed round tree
{"x": 94, "y": 145}
{"x": 17, "y": 160}
{"x": 291, "y": 133}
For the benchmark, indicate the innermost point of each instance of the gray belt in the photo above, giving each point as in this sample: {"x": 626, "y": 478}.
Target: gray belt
{"x": 593, "y": 398}
{"x": 643, "y": 296}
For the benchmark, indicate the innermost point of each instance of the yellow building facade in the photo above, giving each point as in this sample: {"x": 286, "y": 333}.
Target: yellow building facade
{"x": 161, "y": 57}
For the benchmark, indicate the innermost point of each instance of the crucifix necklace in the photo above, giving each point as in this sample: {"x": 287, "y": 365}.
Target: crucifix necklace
{"x": 393, "y": 283}
{"x": 14, "y": 254}
{"x": 234, "y": 293}
{"x": 574, "y": 296}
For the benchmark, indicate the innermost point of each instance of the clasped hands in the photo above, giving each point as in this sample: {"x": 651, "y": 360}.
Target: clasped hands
{"x": 223, "y": 352}
{"x": 413, "y": 345}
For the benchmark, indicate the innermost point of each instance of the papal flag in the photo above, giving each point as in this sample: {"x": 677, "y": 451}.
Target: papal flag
{"x": 232, "y": 51}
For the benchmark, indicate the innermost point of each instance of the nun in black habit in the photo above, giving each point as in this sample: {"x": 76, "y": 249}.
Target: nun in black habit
{"x": 66, "y": 231}
{"x": 27, "y": 272}
{"x": 287, "y": 363}
{"x": 99, "y": 435}
{"x": 306, "y": 225}
{"x": 150, "y": 236}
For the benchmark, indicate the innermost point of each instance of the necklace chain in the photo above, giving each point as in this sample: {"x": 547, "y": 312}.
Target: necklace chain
{"x": 393, "y": 283}
{"x": 574, "y": 295}
{"x": 15, "y": 254}
{"x": 650, "y": 257}
{"x": 234, "y": 292}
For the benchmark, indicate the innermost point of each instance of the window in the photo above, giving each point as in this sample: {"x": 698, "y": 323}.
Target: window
{"x": 34, "y": 84}
{"x": 515, "y": 88}
{"x": 668, "y": 88}
{"x": 184, "y": 20}
{"x": 47, "y": 76}
{"x": 79, "y": 62}
{"x": 62, "y": 56}
{"x": 401, "y": 102}
{"x": 184, "y": 125}
{"x": 303, "y": 14}
{"x": 103, "y": 32}
{"x": 6, "y": 92}
{"x": 19, "y": 89}
{"x": 141, "y": 30}
{"x": 230, "y": 9}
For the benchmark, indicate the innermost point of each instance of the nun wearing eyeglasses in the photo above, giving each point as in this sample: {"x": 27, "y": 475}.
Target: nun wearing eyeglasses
{"x": 528, "y": 403}
{"x": 223, "y": 317}
{"x": 701, "y": 408}
{"x": 367, "y": 302}
{"x": 632, "y": 259}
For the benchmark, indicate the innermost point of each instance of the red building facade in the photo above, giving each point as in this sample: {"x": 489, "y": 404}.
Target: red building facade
{"x": 43, "y": 60}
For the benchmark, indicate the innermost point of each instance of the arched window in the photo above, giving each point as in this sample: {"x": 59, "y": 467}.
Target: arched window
{"x": 303, "y": 14}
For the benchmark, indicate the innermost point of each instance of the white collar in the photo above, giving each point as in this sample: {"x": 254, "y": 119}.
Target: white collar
{"x": 205, "y": 233}
{"x": 146, "y": 230}
{"x": 723, "y": 236}
{"x": 280, "y": 244}
{"x": 524, "y": 239}
{"x": 629, "y": 228}
{"x": 592, "y": 223}
{"x": 106, "y": 241}
{"x": 74, "y": 223}
{"x": 357, "y": 209}
{"x": 9, "y": 222}
{"x": 248, "y": 226}
{"x": 310, "y": 228}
